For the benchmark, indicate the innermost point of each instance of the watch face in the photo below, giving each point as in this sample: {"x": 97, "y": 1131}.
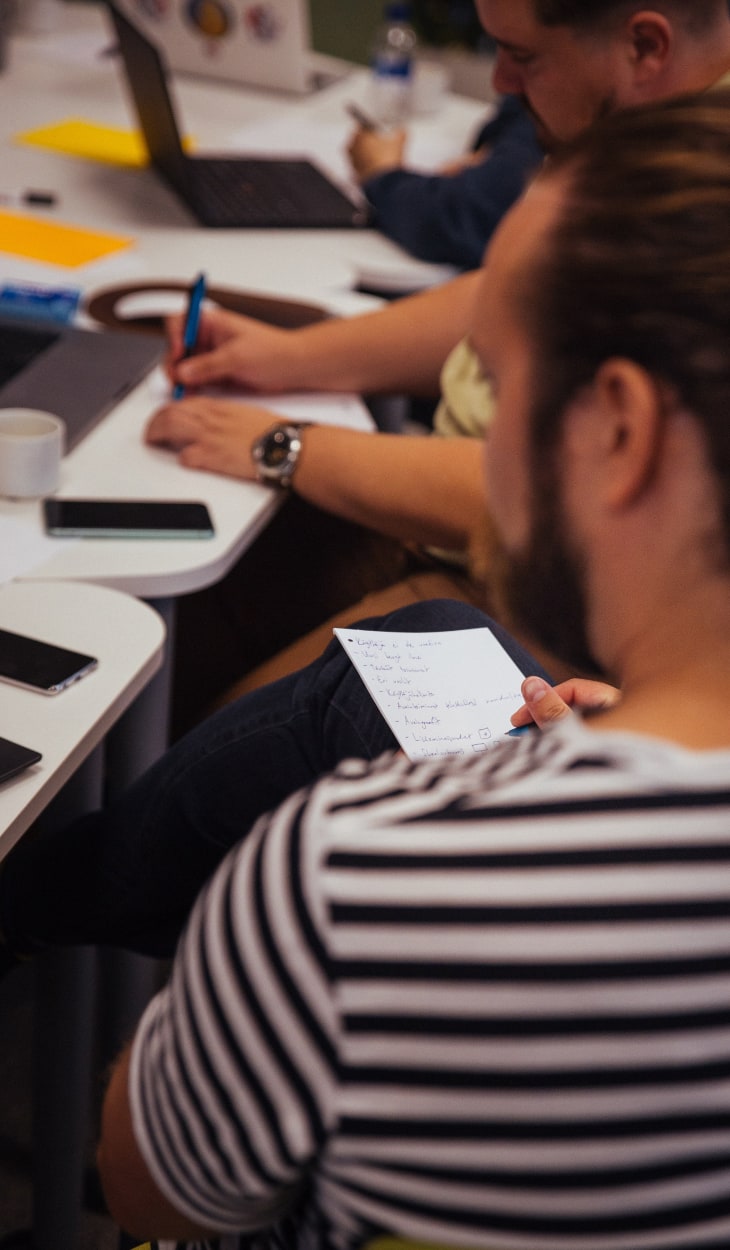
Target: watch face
{"x": 276, "y": 454}
{"x": 276, "y": 449}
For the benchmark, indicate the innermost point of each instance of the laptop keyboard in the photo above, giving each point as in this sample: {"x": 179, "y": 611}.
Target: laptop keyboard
{"x": 18, "y": 346}
{"x": 268, "y": 193}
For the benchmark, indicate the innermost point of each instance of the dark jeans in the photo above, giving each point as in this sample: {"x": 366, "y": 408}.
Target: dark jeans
{"x": 128, "y": 874}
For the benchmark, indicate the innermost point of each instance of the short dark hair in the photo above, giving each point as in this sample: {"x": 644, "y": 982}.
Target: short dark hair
{"x": 637, "y": 265}
{"x": 697, "y": 15}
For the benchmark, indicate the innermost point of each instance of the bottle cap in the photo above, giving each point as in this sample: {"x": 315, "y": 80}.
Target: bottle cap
{"x": 398, "y": 12}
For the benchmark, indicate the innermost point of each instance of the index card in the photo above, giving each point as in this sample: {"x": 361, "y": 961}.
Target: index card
{"x": 451, "y": 692}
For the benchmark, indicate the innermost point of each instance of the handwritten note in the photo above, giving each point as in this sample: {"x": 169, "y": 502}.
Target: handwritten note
{"x": 445, "y": 693}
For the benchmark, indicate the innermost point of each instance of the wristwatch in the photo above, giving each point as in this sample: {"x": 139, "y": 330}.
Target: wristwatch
{"x": 276, "y": 453}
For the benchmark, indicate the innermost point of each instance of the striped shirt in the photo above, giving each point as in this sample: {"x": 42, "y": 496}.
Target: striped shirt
{"x": 481, "y": 1003}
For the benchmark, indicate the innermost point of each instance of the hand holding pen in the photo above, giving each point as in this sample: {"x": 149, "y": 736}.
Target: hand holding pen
{"x": 192, "y": 321}
{"x": 372, "y": 149}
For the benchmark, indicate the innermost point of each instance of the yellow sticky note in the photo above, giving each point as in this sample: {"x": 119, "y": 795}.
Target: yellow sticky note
{"x": 75, "y": 137}
{"x": 69, "y": 246}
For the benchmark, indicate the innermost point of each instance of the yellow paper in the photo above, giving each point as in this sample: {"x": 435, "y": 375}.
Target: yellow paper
{"x": 69, "y": 246}
{"x": 111, "y": 144}
{"x": 75, "y": 137}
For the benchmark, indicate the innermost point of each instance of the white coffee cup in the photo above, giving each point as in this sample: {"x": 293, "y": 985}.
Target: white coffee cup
{"x": 31, "y": 448}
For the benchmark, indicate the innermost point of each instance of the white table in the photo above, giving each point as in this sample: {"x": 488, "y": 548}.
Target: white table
{"x": 66, "y": 74}
{"x": 69, "y": 730}
{"x": 113, "y": 461}
{"x": 127, "y": 637}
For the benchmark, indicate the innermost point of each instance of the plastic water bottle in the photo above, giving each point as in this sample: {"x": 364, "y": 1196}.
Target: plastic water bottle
{"x": 393, "y": 67}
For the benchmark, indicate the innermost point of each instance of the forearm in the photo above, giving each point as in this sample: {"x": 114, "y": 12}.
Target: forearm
{"x": 426, "y": 489}
{"x": 132, "y": 1197}
{"x": 398, "y": 349}
{"x": 450, "y": 219}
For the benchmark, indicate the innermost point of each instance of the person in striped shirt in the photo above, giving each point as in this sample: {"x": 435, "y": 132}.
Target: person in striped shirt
{"x": 483, "y": 1002}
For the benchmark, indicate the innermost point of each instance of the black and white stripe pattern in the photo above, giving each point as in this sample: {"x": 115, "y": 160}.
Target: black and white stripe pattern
{"x": 484, "y": 1004}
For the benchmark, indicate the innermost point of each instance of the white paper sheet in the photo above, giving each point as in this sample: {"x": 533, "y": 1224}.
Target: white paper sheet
{"x": 445, "y": 693}
{"x": 320, "y": 408}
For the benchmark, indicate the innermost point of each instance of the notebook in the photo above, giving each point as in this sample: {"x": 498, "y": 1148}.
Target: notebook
{"x": 75, "y": 373}
{"x": 224, "y": 191}
{"x": 255, "y": 45}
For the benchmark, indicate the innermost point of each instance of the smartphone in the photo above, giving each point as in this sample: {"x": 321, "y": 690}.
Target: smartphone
{"x": 127, "y": 518}
{"x": 38, "y": 665}
{"x": 14, "y": 758}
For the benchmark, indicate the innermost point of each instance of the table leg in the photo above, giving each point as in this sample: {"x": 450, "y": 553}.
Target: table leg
{"x": 142, "y": 733}
{"x": 128, "y": 981}
{"x": 63, "y": 1044}
{"x": 64, "y": 1035}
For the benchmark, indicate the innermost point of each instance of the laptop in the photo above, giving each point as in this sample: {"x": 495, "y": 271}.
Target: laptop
{"x": 75, "y": 373}
{"x": 224, "y": 191}
{"x": 248, "y": 44}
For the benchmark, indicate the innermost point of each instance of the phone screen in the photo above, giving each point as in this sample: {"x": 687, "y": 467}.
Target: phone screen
{"x": 40, "y": 665}
{"x": 127, "y": 518}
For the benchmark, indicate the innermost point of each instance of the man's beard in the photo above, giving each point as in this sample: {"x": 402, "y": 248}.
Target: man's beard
{"x": 545, "y": 137}
{"x": 540, "y": 591}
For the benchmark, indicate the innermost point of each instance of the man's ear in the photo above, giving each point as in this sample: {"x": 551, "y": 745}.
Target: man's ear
{"x": 616, "y": 431}
{"x": 651, "y": 42}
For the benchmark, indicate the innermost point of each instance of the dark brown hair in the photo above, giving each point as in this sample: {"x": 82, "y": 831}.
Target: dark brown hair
{"x": 696, "y": 15}
{"x": 637, "y": 265}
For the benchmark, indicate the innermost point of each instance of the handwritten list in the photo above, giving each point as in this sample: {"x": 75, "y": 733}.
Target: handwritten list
{"x": 445, "y": 693}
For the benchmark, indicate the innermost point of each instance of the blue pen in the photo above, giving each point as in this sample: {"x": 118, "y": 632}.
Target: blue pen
{"x": 192, "y": 321}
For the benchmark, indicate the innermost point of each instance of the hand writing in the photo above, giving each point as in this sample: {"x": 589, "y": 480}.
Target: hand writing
{"x": 374, "y": 151}
{"x": 231, "y": 349}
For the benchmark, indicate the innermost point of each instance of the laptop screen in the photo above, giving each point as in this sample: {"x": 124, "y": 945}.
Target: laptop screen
{"x": 145, "y": 73}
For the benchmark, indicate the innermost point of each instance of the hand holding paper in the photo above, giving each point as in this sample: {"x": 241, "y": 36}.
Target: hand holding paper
{"x": 446, "y": 693}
